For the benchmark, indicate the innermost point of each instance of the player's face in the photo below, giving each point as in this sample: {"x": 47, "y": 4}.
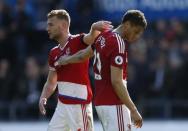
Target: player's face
{"x": 54, "y": 27}
{"x": 133, "y": 32}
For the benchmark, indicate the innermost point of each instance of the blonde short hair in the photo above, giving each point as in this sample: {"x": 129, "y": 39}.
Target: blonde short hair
{"x": 60, "y": 14}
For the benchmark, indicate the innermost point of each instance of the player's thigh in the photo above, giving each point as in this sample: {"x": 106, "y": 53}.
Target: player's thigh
{"x": 114, "y": 118}
{"x": 80, "y": 117}
{"x": 59, "y": 120}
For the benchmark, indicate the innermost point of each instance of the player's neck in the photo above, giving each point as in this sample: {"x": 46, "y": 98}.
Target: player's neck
{"x": 63, "y": 39}
{"x": 119, "y": 31}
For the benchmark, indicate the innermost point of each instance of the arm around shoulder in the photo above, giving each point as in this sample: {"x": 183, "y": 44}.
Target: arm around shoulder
{"x": 96, "y": 29}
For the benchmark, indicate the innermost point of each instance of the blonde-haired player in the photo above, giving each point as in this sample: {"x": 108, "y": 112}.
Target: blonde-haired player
{"x": 73, "y": 111}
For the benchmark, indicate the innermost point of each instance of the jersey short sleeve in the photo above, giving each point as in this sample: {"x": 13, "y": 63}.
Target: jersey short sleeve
{"x": 80, "y": 37}
{"x": 118, "y": 55}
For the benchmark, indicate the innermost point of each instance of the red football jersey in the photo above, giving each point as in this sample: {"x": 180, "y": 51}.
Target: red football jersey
{"x": 110, "y": 50}
{"x": 72, "y": 79}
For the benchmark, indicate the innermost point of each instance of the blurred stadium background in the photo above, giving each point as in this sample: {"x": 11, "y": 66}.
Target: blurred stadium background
{"x": 158, "y": 63}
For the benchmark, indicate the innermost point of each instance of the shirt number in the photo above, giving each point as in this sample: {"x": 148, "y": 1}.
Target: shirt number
{"x": 97, "y": 61}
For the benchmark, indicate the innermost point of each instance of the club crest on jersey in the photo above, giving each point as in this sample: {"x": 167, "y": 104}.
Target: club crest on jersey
{"x": 101, "y": 41}
{"x": 118, "y": 60}
{"x": 67, "y": 51}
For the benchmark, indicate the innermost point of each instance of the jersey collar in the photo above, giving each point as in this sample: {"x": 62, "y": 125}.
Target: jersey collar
{"x": 62, "y": 48}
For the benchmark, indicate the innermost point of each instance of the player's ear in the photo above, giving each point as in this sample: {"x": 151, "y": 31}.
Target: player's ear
{"x": 64, "y": 24}
{"x": 127, "y": 24}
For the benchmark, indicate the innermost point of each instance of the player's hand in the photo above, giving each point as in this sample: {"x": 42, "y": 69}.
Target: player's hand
{"x": 137, "y": 119}
{"x": 102, "y": 25}
{"x": 61, "y": 61}
{"x": 42, "y": 103}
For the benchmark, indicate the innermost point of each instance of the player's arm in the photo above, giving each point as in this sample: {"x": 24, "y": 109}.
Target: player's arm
{"x": 48, "y": 90}
{"x": 122, "y": 92}
{"x": 78, "y": 57}
{"x": 96, "y": 29}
